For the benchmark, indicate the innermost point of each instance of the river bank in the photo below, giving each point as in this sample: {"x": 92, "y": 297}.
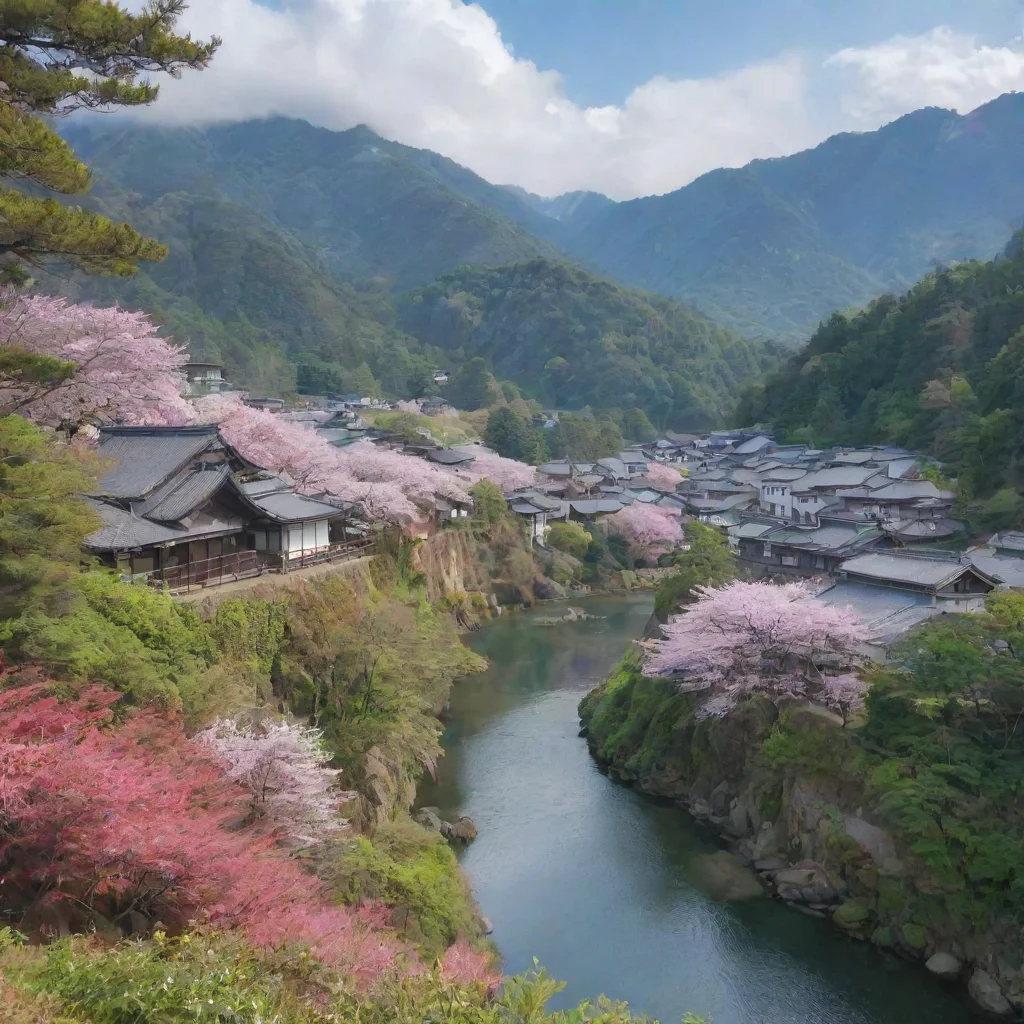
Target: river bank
{"x": 615, "y": 892}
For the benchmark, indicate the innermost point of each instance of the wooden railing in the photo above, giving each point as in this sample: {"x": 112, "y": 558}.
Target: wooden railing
{"x": 210, "y": 572}
{"x": 340, "y": 552}
{"x": 240, "y": 565}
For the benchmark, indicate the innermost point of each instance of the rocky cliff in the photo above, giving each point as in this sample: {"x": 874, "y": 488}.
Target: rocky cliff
{"x": 785, "y": 787}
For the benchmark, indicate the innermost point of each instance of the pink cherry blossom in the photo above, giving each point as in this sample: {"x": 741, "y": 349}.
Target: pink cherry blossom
{"x": 284, "y": 766}
{"x": 758, "y": 636}
{"x": 648, "y": 529}
{"x": 662, "y": 476}
{"x": 123, "y": 369}
{"x": 507, "y": 474}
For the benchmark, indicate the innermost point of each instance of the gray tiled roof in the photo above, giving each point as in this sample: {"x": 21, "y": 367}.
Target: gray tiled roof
{"x": 908, "y": 489}
{"x": 755, "y": 444}
{"x": 886, "y": 613}
{"x": 122, "y": 530}
{"x": 449, "y": 456}
{"x": 593, "y": 506}
{"x": 912, "y": 569}
{"x": 177, "y": 498}
{"x": 286, "y": 507}
{"x": 1008, "y": 541}
{"x": 144, "y": 457}
{"x": 1008, "y": 570}
{"x": 837, "y": 476}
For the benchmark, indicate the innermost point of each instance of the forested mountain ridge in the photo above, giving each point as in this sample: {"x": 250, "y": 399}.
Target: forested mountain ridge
{"x": 571, "y": 339}
{"x": 940, "y": 369}
{"x": 775, "y": 246}
{"x": 368, "y": 207}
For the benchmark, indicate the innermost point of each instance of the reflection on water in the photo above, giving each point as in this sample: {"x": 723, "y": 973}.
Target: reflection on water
{"x": 615, "y": 893}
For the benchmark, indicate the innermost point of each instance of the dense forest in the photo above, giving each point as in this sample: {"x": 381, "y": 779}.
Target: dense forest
{"x": 570, "y": 339}
{"x": 940, "y": 369}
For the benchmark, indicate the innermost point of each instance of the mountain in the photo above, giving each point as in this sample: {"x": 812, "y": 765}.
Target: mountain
{"x": 773, "y": 247}
{"x": 240, "y": 291}
{"x": 571, "y": 339}
{"x": 369, "y": 208}
{"x": 939, "y": 369}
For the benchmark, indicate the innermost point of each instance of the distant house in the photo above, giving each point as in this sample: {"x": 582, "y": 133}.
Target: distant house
{"x": 802, "y": 551}
{"x": 441, "y": 377}
{"x": 450, "y": 456}
{"x": 538, "y": 510}
{"x": 205, "y": 379}
{"x": 953, "y": 584}
{"x": 433, "y": 406}
{"x": 181, "y": 507}
{"x": 265, "y": 404}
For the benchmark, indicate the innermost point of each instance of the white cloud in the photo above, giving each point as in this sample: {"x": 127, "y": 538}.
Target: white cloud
{"x": 942, "y": 69}
{"x": 436, "y": 74}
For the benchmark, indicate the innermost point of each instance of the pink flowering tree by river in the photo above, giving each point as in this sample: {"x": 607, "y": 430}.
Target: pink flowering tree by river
{"x": 285, "y": 767}
{"x": 747, "y": 637}
{"x": 64, "y": 363}
{"x": 649, "y": 530}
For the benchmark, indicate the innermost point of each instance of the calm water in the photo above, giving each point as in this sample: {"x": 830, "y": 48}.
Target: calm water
{"x": 605, "y": 887}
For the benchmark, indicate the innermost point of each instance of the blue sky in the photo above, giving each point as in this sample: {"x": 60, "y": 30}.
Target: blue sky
{"x": 603, "y": 48}
{"x": 625, "y": 97}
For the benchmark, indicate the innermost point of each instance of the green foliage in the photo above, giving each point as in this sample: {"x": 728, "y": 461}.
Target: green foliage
{"x": 571, "y": 340}
{"x": 415, "y": 872}
{"x": 945, "y": 756}
{"x": 940, "y": 369}
{"x": 42, "y": 46}
{"x": 211, "y": 980}
{"x": 633, "y": 721}
{"x": 570, "y": 538}
{"x": 512, "y": 436}
{"x": 491, "y": 513}
{"x": 636, "y": 427}
{"x": 584, "y": 437}
{"x": 473, "y": 387}
{"x": 707, "y": 562}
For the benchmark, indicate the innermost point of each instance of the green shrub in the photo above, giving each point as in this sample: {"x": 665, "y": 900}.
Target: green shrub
{"x": 570, "y": 538}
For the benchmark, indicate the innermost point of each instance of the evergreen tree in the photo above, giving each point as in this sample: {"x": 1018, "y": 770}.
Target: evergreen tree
{"x": 637, "y": 427}
{"x": 57, "y": 56}
{"x": 473, "y": 386}
{"x": 511, "y": 436}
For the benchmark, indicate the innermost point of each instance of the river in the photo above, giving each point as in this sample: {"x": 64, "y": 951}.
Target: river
{"x": 606, "y": 887}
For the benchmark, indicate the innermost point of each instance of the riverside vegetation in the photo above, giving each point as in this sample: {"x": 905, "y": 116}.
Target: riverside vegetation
{"x": 904, "y": 824}
{"x": 216, "y": 914}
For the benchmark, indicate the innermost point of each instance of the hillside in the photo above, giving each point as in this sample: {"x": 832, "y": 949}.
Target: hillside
{"x": 775, "y": 246}
{"x": 571, "y": 339}
{"x": 368, "y": 207}
{"x": 940, "y": 369}
{"x": 242, "y": 292}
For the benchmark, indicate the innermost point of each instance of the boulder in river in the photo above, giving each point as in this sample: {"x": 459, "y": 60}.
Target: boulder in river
{"x": 429, "y": 818}
{"x": 464, "y": 829}
{"x": 723, "y": 876}
{"x": 945, "y": 965}
{"x": 987, "y": 993}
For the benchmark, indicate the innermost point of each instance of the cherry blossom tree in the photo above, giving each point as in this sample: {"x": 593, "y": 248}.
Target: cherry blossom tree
{"x": 107, "y": 364}
{"x": 662, "y": 476}
{"x": 508, "y": 474}
{"x": 648, "y": 529}
{"x": 284, "y": 767}
{"x": 758, "y": 637}
{"x": 844, "y": 694}
{"x": 132, "y": 822}
{"x": 388, "y": 484}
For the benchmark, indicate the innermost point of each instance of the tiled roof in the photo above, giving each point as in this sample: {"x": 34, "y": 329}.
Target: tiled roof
{"x": 449, "y": 456}
{"x": 122, "y": 530}
{"x": 836, "y": 476}
{"x": 287, "y": 507}
{"x": 909, "y": 489}
{"x": 755, "y": 444}
{"x": 593, "y": 506}
{"x": 144, "y": 457}
{"x": 177, "y": 498}
{"x": 911, "y": 569}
